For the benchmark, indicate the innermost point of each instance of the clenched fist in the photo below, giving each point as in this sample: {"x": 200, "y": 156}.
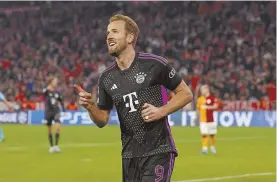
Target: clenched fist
{"x": 85, "y": 99}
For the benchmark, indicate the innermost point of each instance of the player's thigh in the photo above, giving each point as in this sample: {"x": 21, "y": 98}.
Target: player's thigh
{"x": 158, "y": 168}
{"x": 212, "y": 128}
{"x": 204, "y": 128}
{"x": 130, "y": 170}
{"x": 57, "y": 117}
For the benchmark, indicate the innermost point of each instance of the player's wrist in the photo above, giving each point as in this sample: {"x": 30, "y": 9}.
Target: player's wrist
{"x": 92, "y": 102}
{"x": 163, "y": 111}
{"x": 91, "y": 107}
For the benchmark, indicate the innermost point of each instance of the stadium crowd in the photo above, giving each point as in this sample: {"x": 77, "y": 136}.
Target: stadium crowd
{"x": 228, "y": 45}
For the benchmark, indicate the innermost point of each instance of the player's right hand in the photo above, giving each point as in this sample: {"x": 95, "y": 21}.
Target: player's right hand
{"x": 85, "y": 99}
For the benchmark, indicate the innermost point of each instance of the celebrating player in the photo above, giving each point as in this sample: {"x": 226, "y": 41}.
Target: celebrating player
{"x": 206, "y": 104}
{"x": 136, "y": 84}
{"x": 52, "y": 111}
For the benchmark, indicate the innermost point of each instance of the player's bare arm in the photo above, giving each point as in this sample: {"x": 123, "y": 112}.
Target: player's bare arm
{"x": 8, "y": 105}
{"x": 98, "y": 116}
{"x": 62, "y": 104}
{"x": 214, "y": 106}
{"x": 182, "y": 96}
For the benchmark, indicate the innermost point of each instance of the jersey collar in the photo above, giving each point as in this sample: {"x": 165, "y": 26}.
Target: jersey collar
{"x": 131, "y": 66}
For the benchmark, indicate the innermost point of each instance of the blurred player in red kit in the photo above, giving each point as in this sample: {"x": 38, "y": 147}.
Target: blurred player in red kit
{"x": 206, "y": 105}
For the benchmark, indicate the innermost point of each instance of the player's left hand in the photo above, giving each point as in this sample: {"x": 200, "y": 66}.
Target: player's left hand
{"x": 151, "y": 113}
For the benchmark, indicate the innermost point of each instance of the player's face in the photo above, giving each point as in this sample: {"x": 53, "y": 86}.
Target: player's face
{"x": 116, "y": 38}
{"x": 54, "y": 82}
{"x": 204, "y": 91}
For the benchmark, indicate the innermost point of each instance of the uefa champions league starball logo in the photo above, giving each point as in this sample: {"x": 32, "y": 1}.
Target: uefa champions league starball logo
{"x": 22, "y": 117}
{"x": 140, "y": 77}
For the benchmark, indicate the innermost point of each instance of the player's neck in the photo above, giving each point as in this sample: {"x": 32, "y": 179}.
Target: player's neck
{"x": 126, "y": 57}
{"x": 50, "y": 88}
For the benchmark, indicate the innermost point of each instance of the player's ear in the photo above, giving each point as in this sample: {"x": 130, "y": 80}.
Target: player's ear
{"x": 130, "y": 38}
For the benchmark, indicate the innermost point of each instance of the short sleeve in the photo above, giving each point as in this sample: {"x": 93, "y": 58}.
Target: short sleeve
{"x": 104, "y": 100}
{"x": 44, "y": 91}
{"x": 60, "y": 97}
{"x": 169, "y": 77}
{"x": 215, "y": 101}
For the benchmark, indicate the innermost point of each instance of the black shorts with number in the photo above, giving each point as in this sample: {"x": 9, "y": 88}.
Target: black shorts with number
{"x": 156, "y": 168}
{"x": 50, "y": 116}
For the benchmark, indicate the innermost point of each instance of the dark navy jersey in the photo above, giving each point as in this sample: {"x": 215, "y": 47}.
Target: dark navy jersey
{"x": 145, "y": 81}
{"x": 52, "y": 100}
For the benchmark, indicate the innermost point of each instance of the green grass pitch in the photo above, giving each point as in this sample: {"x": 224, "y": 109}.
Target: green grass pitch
{"x": 90, "y": 154}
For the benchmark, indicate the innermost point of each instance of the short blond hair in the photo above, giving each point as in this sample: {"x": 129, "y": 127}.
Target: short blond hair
{"x": 130, "y": 25}
{"x": 204, "y": 86}
{"x": 50, "y": 79}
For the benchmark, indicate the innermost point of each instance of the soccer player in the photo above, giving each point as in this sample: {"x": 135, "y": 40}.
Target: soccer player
{"x": 52, "y": 111}
{"x": 11, "y": 109}
{"x": 4, "y": 100}
{"x": 206, "y": 105}
{"x": 136, "y": 84}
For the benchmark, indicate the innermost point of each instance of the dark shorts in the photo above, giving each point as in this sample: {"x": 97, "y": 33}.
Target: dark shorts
{"x": 50, "y": 116}
{"x": 156, "y": 168}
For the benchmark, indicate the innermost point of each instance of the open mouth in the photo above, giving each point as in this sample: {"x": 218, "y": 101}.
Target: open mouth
{"x": 112, "y": 44}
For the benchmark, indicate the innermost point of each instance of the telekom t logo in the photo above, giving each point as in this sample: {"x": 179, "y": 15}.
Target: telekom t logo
{"x": 131, "y": 101}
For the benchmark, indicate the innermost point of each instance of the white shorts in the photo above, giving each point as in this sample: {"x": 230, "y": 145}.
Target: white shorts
{"x": 209, "y": 128}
